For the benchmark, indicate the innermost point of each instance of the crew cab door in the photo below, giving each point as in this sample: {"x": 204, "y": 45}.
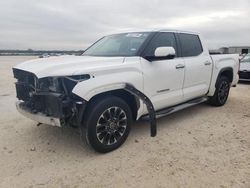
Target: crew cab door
{"x": 198, "y": 66}
{"x": 163, "y": 78}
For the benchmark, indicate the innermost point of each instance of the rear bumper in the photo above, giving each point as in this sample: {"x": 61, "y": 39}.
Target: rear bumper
{"x": 244, "y": 75}
{"x": 242, "y": 79}
{"x": 39, "y": 117}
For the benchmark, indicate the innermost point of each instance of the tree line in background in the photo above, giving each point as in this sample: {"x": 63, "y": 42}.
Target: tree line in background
{"x": 30, "y": 52}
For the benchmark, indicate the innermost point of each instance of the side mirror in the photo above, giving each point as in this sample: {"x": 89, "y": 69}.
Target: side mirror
{"x": 165, "y": 52}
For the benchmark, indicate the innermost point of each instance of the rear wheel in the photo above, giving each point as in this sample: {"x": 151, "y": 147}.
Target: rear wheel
{"x": 107, "y": 124}
{"x": 221, "y": 92}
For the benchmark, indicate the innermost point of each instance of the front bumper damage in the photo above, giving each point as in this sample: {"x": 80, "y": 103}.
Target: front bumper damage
{"x": 39, "y": 117}
{"x": 50, "y": 109}
{"x": 57, "y": 108}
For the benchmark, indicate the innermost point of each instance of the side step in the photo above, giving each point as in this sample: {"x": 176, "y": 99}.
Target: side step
{"x": 170, "y": 110}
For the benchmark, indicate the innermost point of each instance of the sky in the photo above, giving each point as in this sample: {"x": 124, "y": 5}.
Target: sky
{"x": 75, "y": 24}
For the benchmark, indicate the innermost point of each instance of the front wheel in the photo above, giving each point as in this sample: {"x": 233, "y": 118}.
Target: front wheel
{"x": 221, "y": 92}
{"x": 107, "y": 124}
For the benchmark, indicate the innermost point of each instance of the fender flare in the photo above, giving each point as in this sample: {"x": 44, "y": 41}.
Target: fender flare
{"x": 149, "y": 105}
{"x": 221, "y": 71}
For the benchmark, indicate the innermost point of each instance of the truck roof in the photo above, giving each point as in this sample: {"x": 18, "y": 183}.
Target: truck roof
{"x": 176, "y": 31}
{"x": 158, "y": 30}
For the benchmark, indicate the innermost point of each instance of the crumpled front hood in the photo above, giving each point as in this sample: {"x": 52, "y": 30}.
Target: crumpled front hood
{"x": 245, "y": 66}
{"x": 68, "y": 65}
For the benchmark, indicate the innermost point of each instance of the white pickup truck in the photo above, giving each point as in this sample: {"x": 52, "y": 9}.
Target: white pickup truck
{"x": 121, "y": 78}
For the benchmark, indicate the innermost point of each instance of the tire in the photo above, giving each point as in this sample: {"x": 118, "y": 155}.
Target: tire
{"x": 107, "y": 123}
{"x": 221, "y": 93}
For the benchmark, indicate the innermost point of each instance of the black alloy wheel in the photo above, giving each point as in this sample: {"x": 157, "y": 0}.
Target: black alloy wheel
{"x": 221, "y": 93}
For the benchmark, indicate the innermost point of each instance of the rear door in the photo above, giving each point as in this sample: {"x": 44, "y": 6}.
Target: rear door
{"x": 163, "y": 79}
{"x": 198, "y": 66}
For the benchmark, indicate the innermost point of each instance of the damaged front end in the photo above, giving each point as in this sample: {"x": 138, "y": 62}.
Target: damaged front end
{"x": 49, "y": 100}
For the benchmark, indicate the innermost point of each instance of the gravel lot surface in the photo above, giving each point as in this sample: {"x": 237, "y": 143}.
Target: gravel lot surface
{"x": 202, "y": 146}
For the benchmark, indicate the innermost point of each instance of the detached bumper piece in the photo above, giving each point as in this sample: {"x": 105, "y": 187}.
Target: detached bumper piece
{"x": 39, "y": 117}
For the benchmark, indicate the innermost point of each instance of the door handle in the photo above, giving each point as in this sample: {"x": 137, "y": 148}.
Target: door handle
{"x": 180, "y": 66}
{"x": 207, "y": 63}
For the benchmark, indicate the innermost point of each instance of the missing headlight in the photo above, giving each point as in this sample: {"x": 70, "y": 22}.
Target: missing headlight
{"x": 50, "y": 84}
{"x": 70, "y": 81}
{"x": 61, "y": 84}
{"x": 78, "y": 78}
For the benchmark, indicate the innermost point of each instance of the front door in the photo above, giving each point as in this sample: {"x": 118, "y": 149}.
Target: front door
{"x": 163, "y": 79}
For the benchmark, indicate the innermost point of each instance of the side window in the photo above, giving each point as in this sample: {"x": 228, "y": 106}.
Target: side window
{"x": 161, "y": 39}
{"x": 190, "y": 45}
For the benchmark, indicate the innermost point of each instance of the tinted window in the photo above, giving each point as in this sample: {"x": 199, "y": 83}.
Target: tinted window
{"x": 161, "y": 39}
{"x": 190, "y": 45}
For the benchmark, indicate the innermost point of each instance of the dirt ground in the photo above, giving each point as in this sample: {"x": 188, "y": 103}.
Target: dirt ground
{"x": 202, "y": 146}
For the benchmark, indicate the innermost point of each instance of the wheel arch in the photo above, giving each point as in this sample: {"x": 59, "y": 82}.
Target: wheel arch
{"x": 130, "y": 99}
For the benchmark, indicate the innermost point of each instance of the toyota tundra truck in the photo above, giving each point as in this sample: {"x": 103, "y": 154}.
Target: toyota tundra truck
{"x": 122, "y": 78}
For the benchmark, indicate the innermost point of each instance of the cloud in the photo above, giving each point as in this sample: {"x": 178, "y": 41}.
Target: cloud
{"x": 63, "y": 24}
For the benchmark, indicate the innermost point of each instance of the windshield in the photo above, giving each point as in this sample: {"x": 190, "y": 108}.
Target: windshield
{"x": 126, "y": 44}
{"x": 246, "y": 58}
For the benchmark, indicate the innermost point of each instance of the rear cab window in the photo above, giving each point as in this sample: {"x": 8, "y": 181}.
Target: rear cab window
{"x": 190, "y": 45}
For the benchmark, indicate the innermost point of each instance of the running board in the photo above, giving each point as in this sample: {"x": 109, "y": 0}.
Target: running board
{"x": 170, "y": 110}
